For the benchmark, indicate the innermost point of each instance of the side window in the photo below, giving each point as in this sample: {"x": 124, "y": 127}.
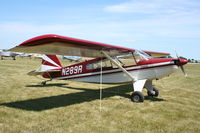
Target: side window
{"x": 127, "y": 60}
{"x": 96, "y": 65}
{"x": 106, "y": 63}
{"x": 89, "y": 66}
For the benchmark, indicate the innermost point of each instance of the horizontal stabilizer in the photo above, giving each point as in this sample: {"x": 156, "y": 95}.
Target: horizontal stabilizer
{"x": 36, "y": 73}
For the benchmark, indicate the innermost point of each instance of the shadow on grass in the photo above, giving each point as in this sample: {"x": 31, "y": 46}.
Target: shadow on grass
{"x": 156, "y": 99}
{"x": 45, "y": 103}
{"x": 48, "y": 85}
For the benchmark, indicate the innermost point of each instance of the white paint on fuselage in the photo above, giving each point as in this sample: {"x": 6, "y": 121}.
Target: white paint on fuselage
{"x": 165, "y": 71}
{"x": 120, "y": 77}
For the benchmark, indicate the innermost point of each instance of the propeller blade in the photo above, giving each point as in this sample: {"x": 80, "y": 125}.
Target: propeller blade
{"x": 181, "y": 66}
{"x": 183, "y": 70}
{"x": 176, "y": 54}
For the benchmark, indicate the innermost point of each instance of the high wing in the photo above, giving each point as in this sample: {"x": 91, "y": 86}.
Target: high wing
{"x": 60, "y": 45}
{"x": 156, "y": 54}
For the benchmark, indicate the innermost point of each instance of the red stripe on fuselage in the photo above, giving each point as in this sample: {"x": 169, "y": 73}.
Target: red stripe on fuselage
{"x": 58, "y": 75}
{"x": 112, "y": 72}
{"x": 87, "y": 71}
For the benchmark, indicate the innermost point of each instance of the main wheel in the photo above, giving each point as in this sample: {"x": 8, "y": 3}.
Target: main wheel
{"x": 137, "y": 96}
{"x": 156, "y": 92}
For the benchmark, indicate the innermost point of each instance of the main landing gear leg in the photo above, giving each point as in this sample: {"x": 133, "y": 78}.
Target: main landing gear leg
{"x": 151, "y": 90}
{"x": 137, "y": 95}
{"x": 45, "y": 82}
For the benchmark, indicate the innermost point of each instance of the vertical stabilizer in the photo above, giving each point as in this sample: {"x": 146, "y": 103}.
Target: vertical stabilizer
{"x": 50, "y": 62}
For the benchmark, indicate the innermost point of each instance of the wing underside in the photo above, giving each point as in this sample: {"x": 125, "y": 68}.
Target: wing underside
{"x": 60, "y": 45}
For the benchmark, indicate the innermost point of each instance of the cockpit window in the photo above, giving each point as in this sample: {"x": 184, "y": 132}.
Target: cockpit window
{"x": 125, "y": 60}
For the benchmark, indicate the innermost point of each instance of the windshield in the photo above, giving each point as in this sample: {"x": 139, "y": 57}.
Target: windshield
{"x": 140, "y": 55}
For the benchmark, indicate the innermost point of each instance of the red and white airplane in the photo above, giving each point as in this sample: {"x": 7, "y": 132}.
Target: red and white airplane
{"x": 112, "y": 64}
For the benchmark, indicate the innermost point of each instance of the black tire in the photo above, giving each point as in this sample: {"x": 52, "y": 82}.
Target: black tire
{"x": 43, "y": 83}
{"x": 137, "y": 97}
{"x": 153, "y": 95}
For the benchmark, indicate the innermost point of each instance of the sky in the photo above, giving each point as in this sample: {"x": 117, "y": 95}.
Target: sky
{"x": 155, "y": 25}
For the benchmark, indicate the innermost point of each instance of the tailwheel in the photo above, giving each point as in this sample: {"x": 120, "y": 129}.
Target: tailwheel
{"x": 155, "y": 92}
{"x": 137, "y": 96}
{"x": 43, "y": 83}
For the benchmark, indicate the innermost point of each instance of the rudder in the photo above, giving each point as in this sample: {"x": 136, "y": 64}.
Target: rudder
{"x": 50, "y": 62}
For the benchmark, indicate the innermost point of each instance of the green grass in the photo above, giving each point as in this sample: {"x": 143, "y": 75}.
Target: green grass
{"x": 72, "y": 107}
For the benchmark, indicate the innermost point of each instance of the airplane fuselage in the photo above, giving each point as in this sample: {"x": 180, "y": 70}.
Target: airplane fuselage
{"x": 151, "y": 69}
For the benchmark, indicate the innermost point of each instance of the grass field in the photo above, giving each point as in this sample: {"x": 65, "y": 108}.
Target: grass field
{"x": 73, "y": 107}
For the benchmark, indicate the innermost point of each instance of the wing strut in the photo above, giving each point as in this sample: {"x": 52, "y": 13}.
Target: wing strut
{"x": 118, "y": 64}
{"x": 138, "y": 85}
